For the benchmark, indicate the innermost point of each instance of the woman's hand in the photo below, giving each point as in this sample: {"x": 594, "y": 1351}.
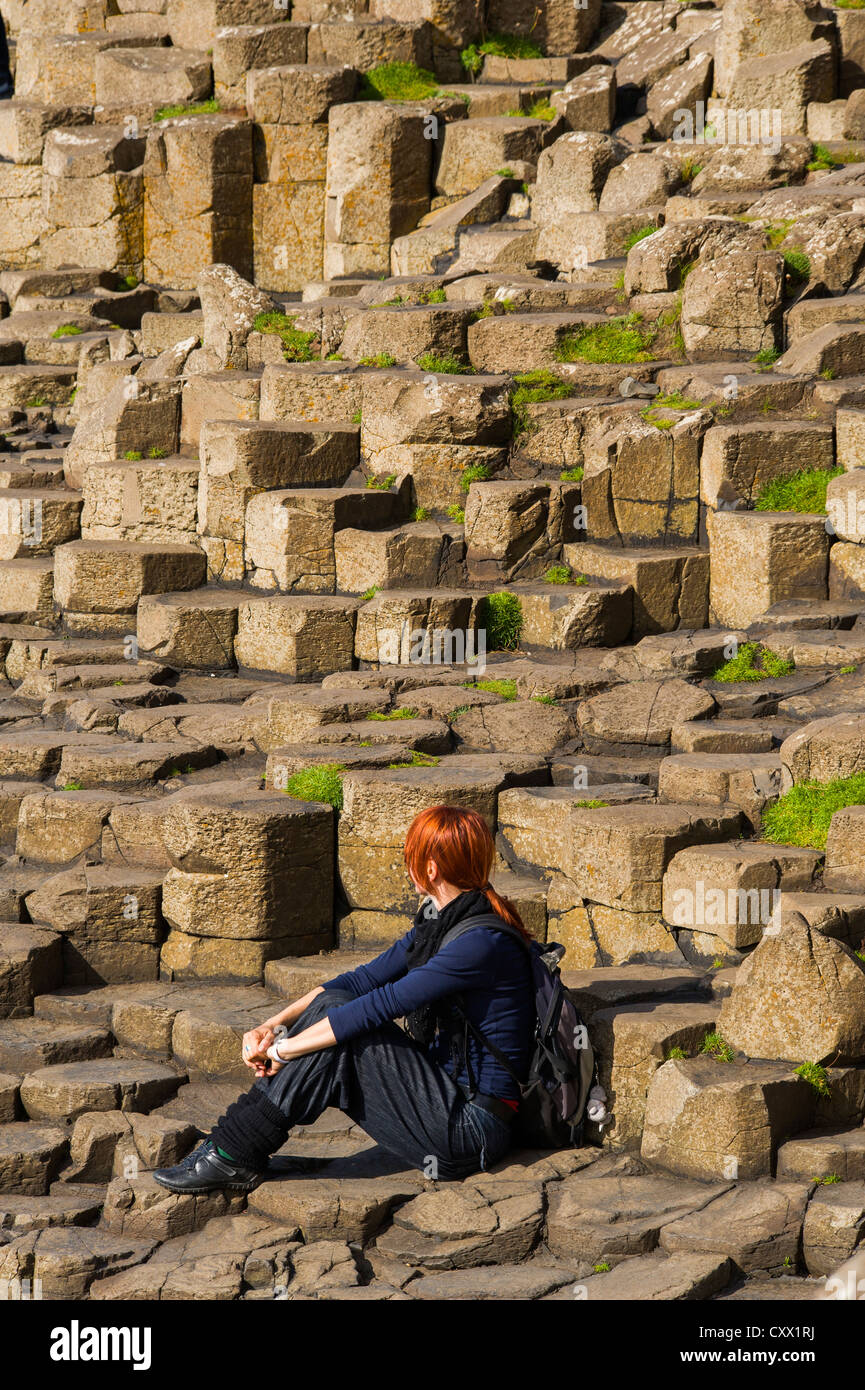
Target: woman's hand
{"x": 254, "y": 1049}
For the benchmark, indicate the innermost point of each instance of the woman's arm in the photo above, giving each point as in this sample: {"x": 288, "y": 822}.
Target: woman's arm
{"x": 257, "y": 1040}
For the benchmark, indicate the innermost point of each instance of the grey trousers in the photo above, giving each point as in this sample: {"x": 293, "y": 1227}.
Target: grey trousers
{"x": 389, "y": 1086}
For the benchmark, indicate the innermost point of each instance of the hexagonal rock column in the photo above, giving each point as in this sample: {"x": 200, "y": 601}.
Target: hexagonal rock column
{"x": 706, "y": 1119}
{"x": 250, "y": 881}
{"x": 240, "y": 458}
{"x": 290, "y": 107}
{"x": 197, "y": 198}
{"x": 92, "y": 198}
{"x": 799, "y": 996}
{"x": 378, "y": 184}
{"x": 761, "y": 558}
{"x": 378, "y": 808}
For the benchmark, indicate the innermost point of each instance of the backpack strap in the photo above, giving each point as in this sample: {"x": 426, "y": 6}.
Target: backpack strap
{"x": 485, "y": 919}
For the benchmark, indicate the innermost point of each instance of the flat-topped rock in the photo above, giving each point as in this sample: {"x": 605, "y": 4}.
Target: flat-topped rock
{"x": 68, "y": 1090}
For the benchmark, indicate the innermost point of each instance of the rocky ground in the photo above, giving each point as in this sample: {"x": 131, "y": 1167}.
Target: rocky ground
{"x": 496, "y": 442}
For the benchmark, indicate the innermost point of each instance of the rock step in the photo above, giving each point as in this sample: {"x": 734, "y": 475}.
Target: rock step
{"x": 62, "y": 1206}
{"x": 68, "y": 1090}
{"x": 31, "y": 1156}
{"x": 30, "y": 1043}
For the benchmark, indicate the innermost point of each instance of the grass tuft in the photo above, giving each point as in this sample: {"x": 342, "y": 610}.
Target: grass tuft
{"x": 398, "y": 82}
{"x": 716, "y": 1046}
{"x": 753, "y": 662}
{"x": 802, "y": 815}
{"x": 506, "y": 688}
{"x": 816, "y": 1076}
{"x": 447, "y": 364}
{"x": 296, "y": 345}
{"x": 502, "y": 616}
{"x": 533, "y": 388}
{"x": 322, "y": 783}
{"x": 497, "y": 46}
{"x": 187, "y": 108}
{"x": 619, "y": 340}
{"x": 380, "y": 359}
{"x": 804, "y": 491}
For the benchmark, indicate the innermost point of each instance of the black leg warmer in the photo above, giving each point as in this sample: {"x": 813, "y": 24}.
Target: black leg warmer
{"x": 251, "y": 1129}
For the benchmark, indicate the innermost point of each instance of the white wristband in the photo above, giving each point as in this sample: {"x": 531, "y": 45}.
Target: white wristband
{"x": 273, "y": 1053}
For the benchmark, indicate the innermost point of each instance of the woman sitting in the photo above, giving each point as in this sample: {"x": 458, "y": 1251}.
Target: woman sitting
{"x": 431, "y": 1094}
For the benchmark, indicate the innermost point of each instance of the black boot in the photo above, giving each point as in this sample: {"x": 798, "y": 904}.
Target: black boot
{"x": 205, "y": 1170}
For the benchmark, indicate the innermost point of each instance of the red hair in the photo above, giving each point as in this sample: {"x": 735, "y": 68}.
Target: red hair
{"x": 460, "y": 842}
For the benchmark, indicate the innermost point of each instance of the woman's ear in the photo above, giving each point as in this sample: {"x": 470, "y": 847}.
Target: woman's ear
{"x": 432, "y": 872}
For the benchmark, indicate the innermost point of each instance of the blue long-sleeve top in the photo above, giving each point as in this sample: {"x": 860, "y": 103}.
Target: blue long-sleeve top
{"x": 488, "y": 968}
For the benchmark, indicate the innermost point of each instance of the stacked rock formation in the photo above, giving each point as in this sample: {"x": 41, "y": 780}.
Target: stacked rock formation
{"x": 418, "y": 403}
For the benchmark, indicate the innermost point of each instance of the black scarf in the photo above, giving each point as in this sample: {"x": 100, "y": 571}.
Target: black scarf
{"x": 431, "y": 927}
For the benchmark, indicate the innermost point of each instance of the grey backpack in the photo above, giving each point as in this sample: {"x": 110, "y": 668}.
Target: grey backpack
{"x": 562, "y": 1069}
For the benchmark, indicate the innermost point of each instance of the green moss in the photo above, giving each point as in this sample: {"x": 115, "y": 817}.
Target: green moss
{"x": 321, "y": 783}
{"x": 67, "y": 330}
{"x": 828, "y": 1179}
{"x": 188, "y": 108}
{"x": 802, "y": 815}
{"x": 753, "y": 662}
{"x": 497, "y": 46}
{"x": 457, "y": 514}
{"x": 815, "y": 1076}
{"x": 777, "y": 232}
{"x": 129, "y": 282}
{"x": 674, "y": 401}
{"x": 73, "y": 787}
{"x": 848, "y": 671}
{"x": 540, "y": 110}
{"x": 798, "y": 267}
{"x": 404, "y": 712}
{"x": 133, "y": 455}
{"x": 689, "y": 170}
{"x": 804, "y": 491}
{"x": 296, "y": 345}
{"x": 155, "y": 453}
{"x": 438, "y": 296}
{"x": 397, "y": 82}
{"x": 618, "y": 340}
{"x": 35, "y": 403}
{"x": 640, "y": 235}
{"x": 380, "y": 359}
{"x": 532, "y": 388}
{"x": 505, "y": 173}
{"x": 767, "y": 357}
{"x": 507, "y": 689}
{"x": 572, "y": 475}
{"x": 563, "y": 574}
{"x": 715, "y": 1046}
{"x": 357, "y": 417}
{"x": 418, "y": 760}
{"x": 502, "y": 616}
{"x": 420, "y": 514}
{"x": 602, "y": 1267}
{"x": 545, "y": 699}
{"x": 334, "y": 357}
{"x": 475, "y": 473}
{"x": 823, "y": 158}
{"x": 382, "y": 484}
{"x": 446, "y": 364}
{"x": 675, "y": 1054}
{"x": 458, "y": 711}
{"x": 591, "y": 804}
{"x": 370, "y": 593}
